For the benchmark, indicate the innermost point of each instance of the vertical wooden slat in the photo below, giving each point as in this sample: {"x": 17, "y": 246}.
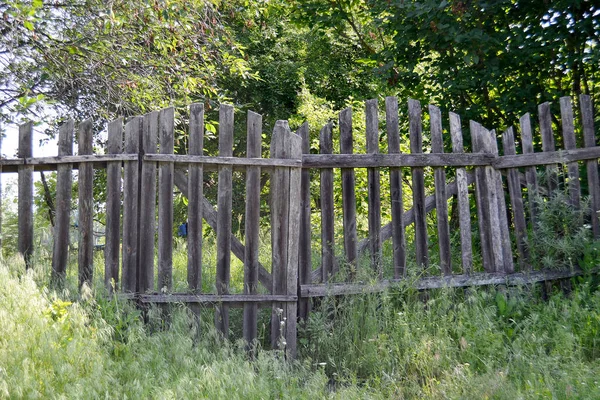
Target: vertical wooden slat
{"x": 348, "y": 189}
{"x": 64, "y": 185}
{"x": 441, "y": 204}
{"x": 589, "y": 137}
{"x": 481, "y": 196}
{"x": 418, "y": 181}
{"x": 516, "y": 200}
{"x": 130, "y": 206}
{"x": 25, "y": 207}
{"x": 464, "y": 213}
{"x": 507, "y": 256}
{"x": 195, "y": 193}
{"x": 373, "y": 178}
{"x": 224, "y": 204}
{"x": 398, "y": 239}
{"x": 253, "y": 150}
{"x": 568, "y": 128}
{"x": 305, "y": 251}
{"x": 291, "y": 308}
{"x": 165, "y": 200}
{"x": 327, "y": 252}
{"x": 548, "y": 144}
{"x": 530, "y": 172}
{"x": 492, "y": 203}
{"x": 280, "y": 205}
{"x": 1, "y": 190}
{"x": 148, "y": 204}
{"x": 113, "y": 206}
{"x": 85, "y": 257}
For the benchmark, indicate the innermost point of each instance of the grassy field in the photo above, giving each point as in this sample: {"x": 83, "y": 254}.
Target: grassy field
{"x": 478, "y": 344}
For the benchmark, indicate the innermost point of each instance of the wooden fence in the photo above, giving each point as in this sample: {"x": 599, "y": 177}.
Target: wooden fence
{"x": 141, "y": 167}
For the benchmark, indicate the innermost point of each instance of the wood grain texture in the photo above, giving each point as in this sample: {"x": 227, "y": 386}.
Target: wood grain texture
{"x": 130, "y": 207}
{"x": 252, "y": 225}
{"x": 113, "y": 206}
{"x": 373, "y": 180}
{"x": 589, "y": 138}
{"x": 305, "y": 251}
{"x": 530, "y": 172}
{"x": 348, "y": 189}
{"x": 570, "y": 142}
{"x": 147, "y": 236}
{"x": 85, "y": 256}
{"x": 418, "y": 181}
{"x": 327, "y": 216}
{"x": 516, "y": 201}
{"x": 443, "y": 228}
{"x": 398, "y": 237}
{"x": 224, "y": 204}
{"x": 64, "y": 185}
{"x": 195, "y": 194}
{"x": 280, "y": 206}
{"x": 165, "y": 200}
{"x": 464, "y": 213}
{"x": 481, "y": 197}
{"x": 25, "y": 204}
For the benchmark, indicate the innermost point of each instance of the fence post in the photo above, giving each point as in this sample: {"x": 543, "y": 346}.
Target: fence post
{"x": 26, "y": 194}
{"x": 64, "y": 179}
{"x": 85, "y": 258}
{"x": 113, "y": 206}
{"x": 398, "y": 238}
{"x": 373, "y": 178}
{"x": 327, "y": 221}
{"x": 147, "y": 204}
{"x": 130, "y": 206}
{"x": 589, "y": 136}
{"x": 462, "y": 190}
{"x": 305, "y": 251}
{"x": 165, "y": 201}
{"x": 285, "y": 235}
{"x": 224, "y": 204}
{"x": 348, "y": 191}
{"x": 253, "y": 150}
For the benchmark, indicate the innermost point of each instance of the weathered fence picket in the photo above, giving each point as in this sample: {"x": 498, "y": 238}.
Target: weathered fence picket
{"x": 589, "y": 137}
{"x": 373, "y": 179}
{"x": 327, "y": 220}
{"x": 113, "y": 206}
{"x": 305, "y": 252}
{"x": 348, "y": 190}
{"x": 165, "y": 200}
{"x": 25, "y": 210}
{"x": 85, "y": 258}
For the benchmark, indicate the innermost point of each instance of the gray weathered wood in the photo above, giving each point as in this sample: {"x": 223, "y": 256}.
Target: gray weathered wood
{"x": 418, "y": 181}
{"x": 530, "y": 172}
{"x": 437, "y": 146}
{"x": 211, "y": 163}
{"x": 224, "y": 204}
{"x": 481, "y": 197}
{"x": 398, "y": 238}
{"x": 516, "y": 201}
{"x": 113, "y": 206}
{"x": 568, "y": 128}
{"x": 546, "y": 158}
{"x": 291, "y": 309}
{"x": 348, "y": 189}
{"x": 305, "y": 251}
{"x": 394, "y": 160}
{"x": 1, "y": 237}
{"x": 491, "y": 201}
{"x": 464, "y": 213}
{"x": 253, "y": 149}
{"x": 589, "y": 138}
{"x": 327, "y": 217}
{"x": 64, "y": 184}
{"x": 548, "y": 144}
{"x": 25, "y": 207}
{"x": 280, "y": 206}
{"x": 214, "y": 299}
{"x": 210, "y": 216}
{"x": 373, "y": 178}
{"x": 85, "y": 257}
{"x": 436, "y": 282}
{"x": 165, "y": 200}
{"x": 195, "y": 193}
{"x": 148, "y": 205}
{"x": 130, "y": 207}
{"x": 507, "y": 257}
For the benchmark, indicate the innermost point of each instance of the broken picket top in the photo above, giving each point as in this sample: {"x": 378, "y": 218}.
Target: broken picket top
{"x": 140, "y": 160}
